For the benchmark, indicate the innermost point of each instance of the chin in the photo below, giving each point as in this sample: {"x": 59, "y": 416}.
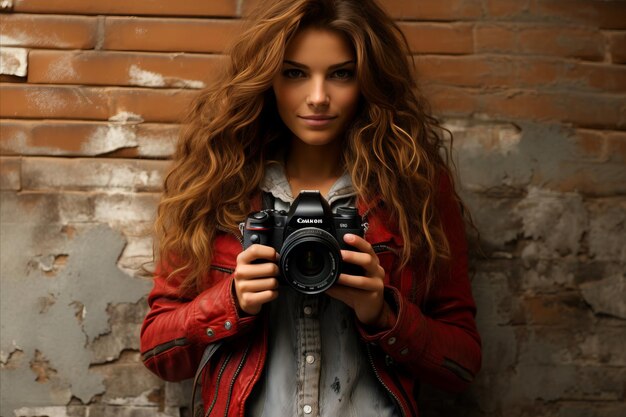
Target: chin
{"x": 316, "y": 138}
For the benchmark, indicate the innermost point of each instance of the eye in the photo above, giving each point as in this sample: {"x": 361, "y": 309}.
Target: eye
{"x": 343, "y": 74}
{"x": 293, "y": 73}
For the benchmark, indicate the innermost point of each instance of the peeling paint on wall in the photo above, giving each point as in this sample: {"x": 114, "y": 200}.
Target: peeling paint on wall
{"x": 45, "y": 316}
{"x": 146, "y": 78}
{"x": 110, "y": 138}
{"x": 13, "y": 61}
{"x": 6, "y": 4}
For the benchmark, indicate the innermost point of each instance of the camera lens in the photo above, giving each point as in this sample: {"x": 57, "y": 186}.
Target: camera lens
{"x": 310, "y": 260}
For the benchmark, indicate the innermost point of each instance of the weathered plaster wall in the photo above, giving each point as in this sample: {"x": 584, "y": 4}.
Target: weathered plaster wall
{"x": 534, "y": 92}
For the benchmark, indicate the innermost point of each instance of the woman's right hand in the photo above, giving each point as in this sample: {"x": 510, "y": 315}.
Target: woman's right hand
{"x": 256, "y": 283}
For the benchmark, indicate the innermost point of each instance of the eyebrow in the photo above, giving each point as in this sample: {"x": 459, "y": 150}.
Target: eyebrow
{"x": 299, "y": 65}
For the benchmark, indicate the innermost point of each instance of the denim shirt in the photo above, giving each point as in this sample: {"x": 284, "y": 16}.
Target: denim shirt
{"x": 316, "y": 364}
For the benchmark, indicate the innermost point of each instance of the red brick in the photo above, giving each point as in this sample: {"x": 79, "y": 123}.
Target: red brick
{"x": 593, "y": 179}
{"x": 184, "y": 35}
{"x": 601, "y": 146}
{"x": 558, "y": 310}
{"x": 72, "y": 102}
{"x": 506, "y": 8}
{"x": 581, "y": 76}
{"x": 601, "y": 14}
{"x": 559, "y": 41}
{"x": 617, "y": 47}
{"x": 153, "y": 105}
{"x": 21, "y": 100}
{"x": 539, "y": 40}
{"x": 591, "y": 145}
{"x": 73, "y": 138}
{"x": 443, "y": 10}
{"x": 443, "y": 38}
{"x": 520, "y": 72}
{"x": 79, "y": 174}
{"x": 10, "y": 177}
{"x": 579, "y": 109}
{"x": 134, "y": 7}
{"x": 495, "y": 38}
{"x": 466, "y": 71}
{"x": 616, "y": 146}
{"x": 43, "y": 31}
{"x": 123, "y": 68}
{"x": 447, "y": 10}
{"x": 452, "y": 101}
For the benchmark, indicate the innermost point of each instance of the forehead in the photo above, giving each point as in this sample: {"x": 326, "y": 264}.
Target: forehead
{"x": 319, "y": 47}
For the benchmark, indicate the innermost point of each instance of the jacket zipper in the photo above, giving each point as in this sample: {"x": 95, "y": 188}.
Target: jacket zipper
{"x": 384, "y": 247}
{"x": 222, "y": 269}
{"x": 232, "y": 381}
{"x": 230, "y": 232}
{"x": 217, "y": 384}
{"x": 393, "y": 394}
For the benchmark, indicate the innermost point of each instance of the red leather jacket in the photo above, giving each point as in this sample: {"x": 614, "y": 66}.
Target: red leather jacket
{"x": 434, "y": 339}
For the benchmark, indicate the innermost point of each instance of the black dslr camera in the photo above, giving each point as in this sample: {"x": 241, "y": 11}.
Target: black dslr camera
{"x": 308, "y": 240}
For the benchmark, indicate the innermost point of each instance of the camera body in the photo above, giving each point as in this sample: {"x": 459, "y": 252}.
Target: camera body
{"x": 308, "y": 240}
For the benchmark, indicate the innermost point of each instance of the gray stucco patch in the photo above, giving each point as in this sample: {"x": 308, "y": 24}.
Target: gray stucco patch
{"x": 57, "y": 315}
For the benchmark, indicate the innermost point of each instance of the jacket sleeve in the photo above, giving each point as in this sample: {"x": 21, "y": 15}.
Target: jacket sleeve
{"x": 176, "y": 330}
{"x": 440, "y": 344}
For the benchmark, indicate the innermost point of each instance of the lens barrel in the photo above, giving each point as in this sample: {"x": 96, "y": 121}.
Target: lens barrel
{"x": 310, "y": 260}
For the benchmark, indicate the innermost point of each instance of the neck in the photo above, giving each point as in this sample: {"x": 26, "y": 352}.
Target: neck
{"x": 310, "y": 167}
{"x": 313, "y": 163}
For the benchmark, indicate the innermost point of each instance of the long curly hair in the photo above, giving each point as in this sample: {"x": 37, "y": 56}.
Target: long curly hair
{"x": 392, "y": 147}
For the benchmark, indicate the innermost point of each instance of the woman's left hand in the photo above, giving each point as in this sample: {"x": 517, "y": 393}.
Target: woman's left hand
{"x": 364, "y": 294}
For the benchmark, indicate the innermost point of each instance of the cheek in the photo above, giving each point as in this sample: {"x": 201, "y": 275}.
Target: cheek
{"x": 349, "y": 100}
{"x": 286, "y": 97}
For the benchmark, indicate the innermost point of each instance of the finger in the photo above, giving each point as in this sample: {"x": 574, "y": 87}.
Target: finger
{"x": 361, "y": 283}
{"x": 344, "y": 294}
{"x": 358, "y": 243}
{"x": 367, "y": 261}
{"x": 257, "y": 285}
{"x": 254, "y": 271}
{"x": 255, "y": 252}
{"x": 251, "y": 302}
{"x": 359, "y": 258}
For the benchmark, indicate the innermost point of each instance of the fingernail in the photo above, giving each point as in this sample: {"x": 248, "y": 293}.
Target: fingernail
{"x": 348, "y": 237}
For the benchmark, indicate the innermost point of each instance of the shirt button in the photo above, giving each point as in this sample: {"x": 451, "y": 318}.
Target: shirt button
{"x": 310, "y": 359}
{"x": 404, "y": 351}
{"x": 307, "y": 409}
{"x": 308, "y": 310}
{"x": 391, "y": 340}
{"x": 210, "y": 332}
{"x": 228, "y": 325}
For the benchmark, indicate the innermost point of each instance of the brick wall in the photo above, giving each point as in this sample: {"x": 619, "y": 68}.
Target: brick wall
{"x": 534, "y": 91}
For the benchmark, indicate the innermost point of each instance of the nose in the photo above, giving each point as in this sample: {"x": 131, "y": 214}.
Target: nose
{"x": 318, "y": 94}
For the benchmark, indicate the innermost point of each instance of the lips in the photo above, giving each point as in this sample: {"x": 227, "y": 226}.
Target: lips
{"x": 317, "y": 120}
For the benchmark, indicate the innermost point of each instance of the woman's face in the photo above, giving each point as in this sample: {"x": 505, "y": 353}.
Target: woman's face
{"x": 316, "y": 91}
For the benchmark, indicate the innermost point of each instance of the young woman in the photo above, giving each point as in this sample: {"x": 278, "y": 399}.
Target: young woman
{"x": 319, "y": 95}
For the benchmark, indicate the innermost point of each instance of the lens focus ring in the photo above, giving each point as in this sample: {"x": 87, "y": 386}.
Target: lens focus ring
{"x": 310, "y": 260}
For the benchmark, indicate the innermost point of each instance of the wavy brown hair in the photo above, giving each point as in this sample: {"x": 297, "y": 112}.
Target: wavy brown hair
{"x": 392, "y": 149}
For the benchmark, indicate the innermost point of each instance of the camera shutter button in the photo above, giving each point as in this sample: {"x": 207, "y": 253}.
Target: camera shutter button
{"x": 348, "y": 211}
{"x": 255, "y": 238}
{"x": 261, "y": 215}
